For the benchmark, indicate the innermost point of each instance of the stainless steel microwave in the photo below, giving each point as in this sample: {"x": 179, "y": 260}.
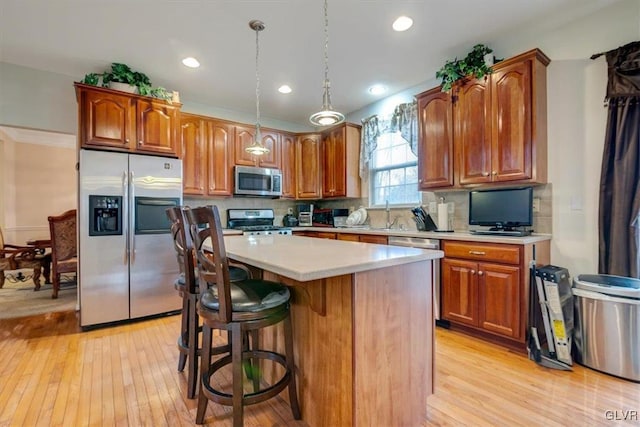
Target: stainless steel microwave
{"x": 254, "y": 181}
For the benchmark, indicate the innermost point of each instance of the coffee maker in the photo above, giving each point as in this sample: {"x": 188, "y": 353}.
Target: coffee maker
{"x": 305, "y": 215}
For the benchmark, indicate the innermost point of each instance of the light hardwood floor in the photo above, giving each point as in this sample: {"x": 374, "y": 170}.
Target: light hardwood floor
{"x": 53, "y": 374}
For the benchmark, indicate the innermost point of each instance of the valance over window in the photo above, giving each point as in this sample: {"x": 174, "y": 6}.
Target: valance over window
{"x": 404, "y": 120}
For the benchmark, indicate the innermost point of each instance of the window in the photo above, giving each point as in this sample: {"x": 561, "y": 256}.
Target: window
{"x": 393, "y": 174}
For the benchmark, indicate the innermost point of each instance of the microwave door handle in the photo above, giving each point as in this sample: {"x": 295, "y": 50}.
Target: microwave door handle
{"x": 125, "y": 214}
{"x": 132, "y": 215}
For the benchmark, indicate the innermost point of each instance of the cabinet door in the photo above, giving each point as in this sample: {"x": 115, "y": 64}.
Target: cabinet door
{"x": 435, "y": 144}
{"x": 308, "y": 167}
{"x": 271, "y": 140}
{"x": 334, "y": 183}
{"x": 219, "y": 158}
{"x": 107, "y": 120}
{"x": 244, "y": 138}
{"x": 348, "y": 237}
{"x": 460, "y": 291}
{"x": 380, "y": 240}
{"x": 288, "y": 159}
{"x": 472, "y": 132}
{"x": 157, "y": 129}
{"x": 511, "y": 106}
{"x": 499, "y": 299}
{"x": 192, "y": 131}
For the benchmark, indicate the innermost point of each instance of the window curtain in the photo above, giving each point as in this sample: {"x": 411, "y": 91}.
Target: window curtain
{"x": 368, "y": 143}
{"x": 620, "y": 175}
{"x": 404, "y": 120}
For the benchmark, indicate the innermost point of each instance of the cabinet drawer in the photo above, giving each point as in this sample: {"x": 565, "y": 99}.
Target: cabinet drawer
{"x": 508, "y": 254}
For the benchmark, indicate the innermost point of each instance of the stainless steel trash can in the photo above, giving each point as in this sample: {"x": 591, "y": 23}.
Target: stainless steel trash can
{"x": 607, "y": 324}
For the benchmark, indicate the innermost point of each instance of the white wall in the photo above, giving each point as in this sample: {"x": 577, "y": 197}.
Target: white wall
{"x": 42, "y": 100}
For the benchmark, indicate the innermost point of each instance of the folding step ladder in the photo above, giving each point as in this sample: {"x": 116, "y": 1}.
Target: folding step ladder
{"x": 552, "y": 285}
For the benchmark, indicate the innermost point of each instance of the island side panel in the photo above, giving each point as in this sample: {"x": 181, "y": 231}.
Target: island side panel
{"x": 323, "y": 348}
{"x": 393, "y": 345}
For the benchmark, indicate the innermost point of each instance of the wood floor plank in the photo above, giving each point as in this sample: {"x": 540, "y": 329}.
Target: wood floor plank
{"x": 52, "y": 375}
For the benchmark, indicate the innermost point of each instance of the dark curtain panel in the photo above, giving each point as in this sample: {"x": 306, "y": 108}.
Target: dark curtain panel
{"x": 620, "y": 178}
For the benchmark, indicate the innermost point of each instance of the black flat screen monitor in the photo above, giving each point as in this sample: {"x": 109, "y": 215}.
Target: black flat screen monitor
{"x": 501, "y": 209}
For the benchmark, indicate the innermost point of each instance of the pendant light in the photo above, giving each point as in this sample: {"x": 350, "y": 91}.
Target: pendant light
{"x": 256, "y": 148}
{"x": 327, "y": 116}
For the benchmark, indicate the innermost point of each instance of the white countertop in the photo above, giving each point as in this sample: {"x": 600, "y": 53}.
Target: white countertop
{"x": 308, "y": 258}
{"x": 456, "y": 235}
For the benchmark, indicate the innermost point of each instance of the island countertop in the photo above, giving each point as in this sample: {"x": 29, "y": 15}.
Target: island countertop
{"x": 307, "y": 258}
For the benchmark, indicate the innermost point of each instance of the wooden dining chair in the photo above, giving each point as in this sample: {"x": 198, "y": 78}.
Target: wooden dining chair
{"x": 242, "y": 308}
{"x": 15, "y": 257}
{"x": 64, "y": 253}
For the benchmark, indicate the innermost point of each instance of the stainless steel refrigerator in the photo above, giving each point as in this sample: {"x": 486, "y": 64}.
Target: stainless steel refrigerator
{"x": 127, "y": 262}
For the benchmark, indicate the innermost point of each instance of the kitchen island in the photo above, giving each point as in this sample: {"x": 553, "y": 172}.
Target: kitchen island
{"x": 362, "y": 321}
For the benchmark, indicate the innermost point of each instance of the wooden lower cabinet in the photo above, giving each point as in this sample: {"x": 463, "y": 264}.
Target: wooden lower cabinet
{"x": 485, "y": 288}
{"x": 351, "y": 237}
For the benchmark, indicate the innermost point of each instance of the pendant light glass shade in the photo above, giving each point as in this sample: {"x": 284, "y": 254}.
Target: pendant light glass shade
{"x": 256, "y": 148}
{"x": 327, "y": 115}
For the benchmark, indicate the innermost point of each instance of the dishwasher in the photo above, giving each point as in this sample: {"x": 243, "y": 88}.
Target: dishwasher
{"x": 425, "y": 243}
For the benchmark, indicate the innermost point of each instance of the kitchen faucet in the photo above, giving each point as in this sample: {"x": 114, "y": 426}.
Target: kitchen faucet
{"x": 390, "y": 224}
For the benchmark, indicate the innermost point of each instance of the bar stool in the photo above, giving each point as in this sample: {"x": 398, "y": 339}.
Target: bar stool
{"x": 242, "y": 308}
{"x": 187, "y": 287}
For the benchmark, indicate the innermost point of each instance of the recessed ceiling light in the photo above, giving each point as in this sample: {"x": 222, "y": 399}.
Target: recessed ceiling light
{"x": 284, "y": 89}
{"x": 403, "y": 23}
{"x": 191, "y": 62}
{"x": 377, "y": 89}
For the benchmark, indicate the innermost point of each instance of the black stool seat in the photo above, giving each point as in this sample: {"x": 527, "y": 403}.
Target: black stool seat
{"x": 252, "y": 295}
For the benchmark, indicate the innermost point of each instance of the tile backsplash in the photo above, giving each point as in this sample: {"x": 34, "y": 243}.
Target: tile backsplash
{"x": 377, "y": 217}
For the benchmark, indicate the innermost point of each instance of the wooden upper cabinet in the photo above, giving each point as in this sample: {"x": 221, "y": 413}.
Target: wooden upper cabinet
{"x": 512, "y": 103}
{"x": 117, "y": 121}
{"x": 157, "y": 127}
{"x": 435, "y": 130}
{"x": 106, "y": 119}
{"x": 207, "y": 164}
{"x": 497, "y": 131}
{"x": 308, "y": 172}
{"x": 219, "y": 158}
{"x": 472, "y": 131}
{"x": 194, "y": 158}
{"x": 244, "y": 137}
{"x": 340, "y": 161}
{"x": 288, "y": 160}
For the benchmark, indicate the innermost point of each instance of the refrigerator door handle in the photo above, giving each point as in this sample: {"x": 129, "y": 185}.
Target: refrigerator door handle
{"x": 125, "y": 215}
{"x": 132, "y": 200}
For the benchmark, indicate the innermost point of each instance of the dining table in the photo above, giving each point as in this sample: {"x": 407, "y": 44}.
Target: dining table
{"x": 42, "y": 246}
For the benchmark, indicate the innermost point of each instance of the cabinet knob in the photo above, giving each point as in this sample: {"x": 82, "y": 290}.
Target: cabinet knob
{"x": 140, "y": 142}
{"x": 485, "y": 173}
{"x": 126, "y": 141}
{"x": 473, "y": 272}
{"x": 480, "y": 273}
{"x": 420, "y": 180}
{"x": 494, "y": 173}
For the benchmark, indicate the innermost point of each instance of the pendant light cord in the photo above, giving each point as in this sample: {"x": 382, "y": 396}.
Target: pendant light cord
{"x": 326, "y": 43}
{"x": 257, "y": 84}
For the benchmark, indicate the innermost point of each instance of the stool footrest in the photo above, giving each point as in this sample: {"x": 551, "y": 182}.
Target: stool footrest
{"x": 250, "y": 398}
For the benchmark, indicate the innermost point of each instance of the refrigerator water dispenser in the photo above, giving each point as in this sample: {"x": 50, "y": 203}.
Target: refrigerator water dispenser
{"x": 105, "y": 215}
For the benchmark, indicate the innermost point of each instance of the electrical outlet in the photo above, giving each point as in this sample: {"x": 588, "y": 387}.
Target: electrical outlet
{"x": 536, "y": 204}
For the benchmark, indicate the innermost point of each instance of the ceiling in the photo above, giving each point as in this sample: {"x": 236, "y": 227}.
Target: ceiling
{"x": 75, "y": 37}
